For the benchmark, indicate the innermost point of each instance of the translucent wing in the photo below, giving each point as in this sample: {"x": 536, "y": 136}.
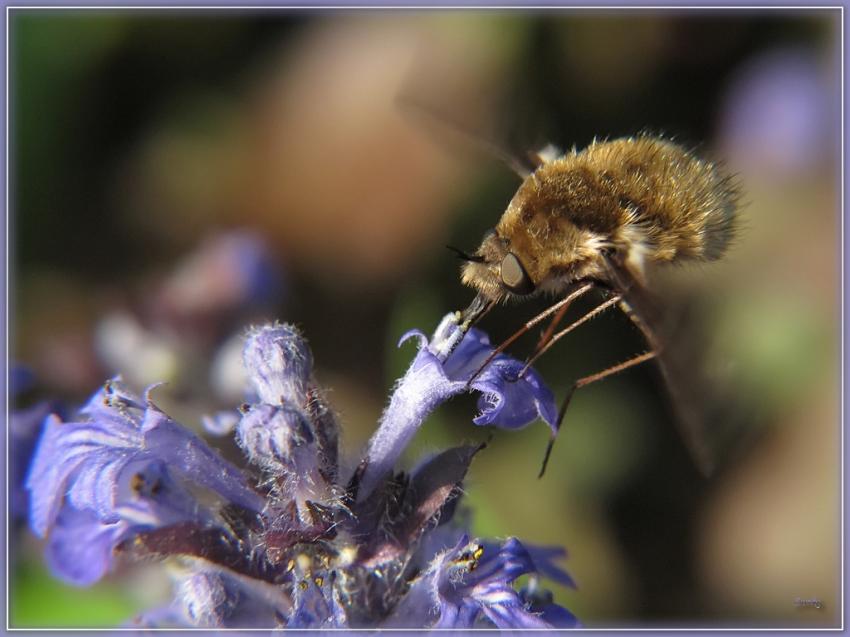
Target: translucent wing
{"x": 689, "y": 391}
{"x": 453, "y": 134}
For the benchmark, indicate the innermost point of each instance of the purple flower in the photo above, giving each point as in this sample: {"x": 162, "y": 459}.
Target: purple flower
{"x": 287, "y": 543}
{"x": 471, "y": 584}
{"x": 506, "y": 401}
{"x": 79, "y": 549}
{"x": 778, "y": 113}
{"x": 279, "y": 364}
{"x": 280, "y": 370}
{"x": 217, "y": 599}
{"x": 231, "y": 271}
{"x": 120, "y": 467}
{"x": 85, "y": 464}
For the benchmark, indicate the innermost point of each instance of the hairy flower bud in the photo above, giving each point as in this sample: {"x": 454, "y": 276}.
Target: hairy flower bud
{"x": 279, "y": 364}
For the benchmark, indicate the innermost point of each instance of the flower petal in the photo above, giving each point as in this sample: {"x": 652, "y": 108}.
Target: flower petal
{"x": 469, "y": 584}
{"x": 218, "y": 599}
{"x": 79, "y": 550}
{"x": 423, "y": 387}
{"x": 183, "y": 451}
{"x": 65, "y": 449}
{"x": 432, "y": 379}
{"x": 543, "y": 558}
{"x": 82, "y": 462}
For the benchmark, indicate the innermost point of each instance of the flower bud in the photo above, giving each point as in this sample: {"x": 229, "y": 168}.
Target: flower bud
{"x": 279, "y": 364}
{"x": 272, "y": 436}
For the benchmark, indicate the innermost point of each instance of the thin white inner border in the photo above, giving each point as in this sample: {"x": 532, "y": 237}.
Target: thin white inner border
{"x": 530, "y": 7}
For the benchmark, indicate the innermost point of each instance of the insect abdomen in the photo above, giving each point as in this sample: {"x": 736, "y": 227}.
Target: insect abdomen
{"x": 681, "y": 207}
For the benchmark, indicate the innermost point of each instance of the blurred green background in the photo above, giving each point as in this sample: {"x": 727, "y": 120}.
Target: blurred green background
{"x": 137, "y": 135}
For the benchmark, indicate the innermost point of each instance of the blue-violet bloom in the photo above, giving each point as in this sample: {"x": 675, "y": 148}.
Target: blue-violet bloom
{"x": 289, "y": 541}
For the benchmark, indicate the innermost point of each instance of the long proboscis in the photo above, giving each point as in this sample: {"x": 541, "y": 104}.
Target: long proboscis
{"x": 465, "y": 256}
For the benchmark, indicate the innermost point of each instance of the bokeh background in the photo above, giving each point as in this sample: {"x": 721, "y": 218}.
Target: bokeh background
{"x": 179, "y": 174}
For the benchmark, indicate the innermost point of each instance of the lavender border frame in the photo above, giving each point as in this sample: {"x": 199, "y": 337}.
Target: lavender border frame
{"x": 321, "y": 5}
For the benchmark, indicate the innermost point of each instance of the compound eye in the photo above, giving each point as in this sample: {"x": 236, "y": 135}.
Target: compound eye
{"x": 514, "y": 276}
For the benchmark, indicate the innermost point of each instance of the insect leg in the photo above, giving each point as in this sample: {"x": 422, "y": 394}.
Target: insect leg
{"x": 563, "y": 303}
{"x": 587, "y": 380}
{"x": 593, "y": 313}
{"x": 556, "y": 321}
{"x": 648, "y": 333}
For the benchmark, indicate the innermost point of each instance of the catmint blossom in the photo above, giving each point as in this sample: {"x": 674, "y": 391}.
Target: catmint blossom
{"x": 506, "y": 401}
{"x": 288, "y": 540}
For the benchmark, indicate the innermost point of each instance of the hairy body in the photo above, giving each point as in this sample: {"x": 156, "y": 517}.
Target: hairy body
{"x": 640, "y": 199}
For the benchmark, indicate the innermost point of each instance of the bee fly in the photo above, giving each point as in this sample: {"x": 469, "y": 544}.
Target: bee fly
{"x": 596, "y": 219}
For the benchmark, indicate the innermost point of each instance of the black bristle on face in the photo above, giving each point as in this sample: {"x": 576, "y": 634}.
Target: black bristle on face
{"x": 475, "y": 258}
